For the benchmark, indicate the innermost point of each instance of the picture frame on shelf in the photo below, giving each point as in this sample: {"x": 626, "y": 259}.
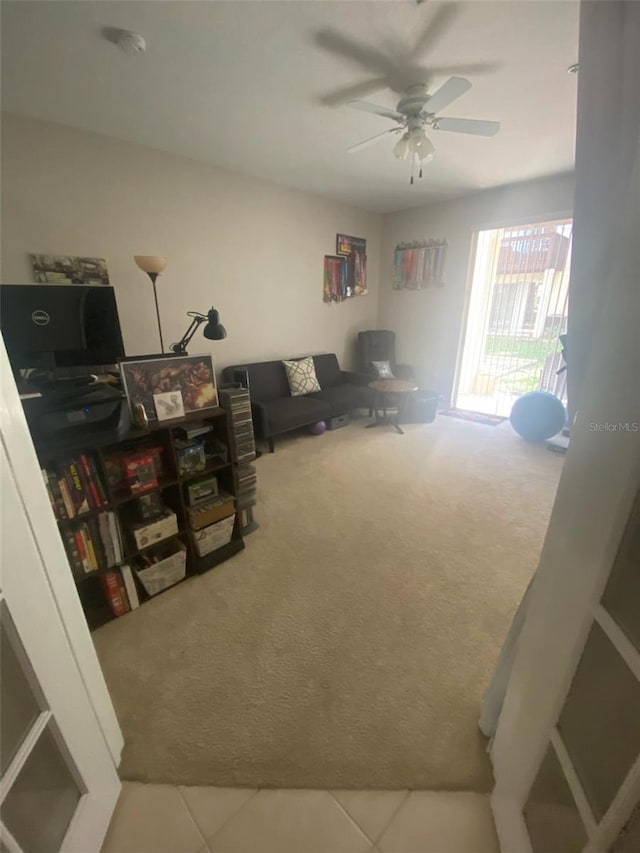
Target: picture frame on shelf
{"x": 168, "y": 405}
{"x": 193, "y": 376}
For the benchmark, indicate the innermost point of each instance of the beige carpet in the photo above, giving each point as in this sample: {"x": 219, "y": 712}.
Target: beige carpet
{"x": 349, "y": 645}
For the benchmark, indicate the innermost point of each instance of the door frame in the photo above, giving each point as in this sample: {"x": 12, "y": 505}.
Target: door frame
{"x": 54, "y": 642}
{"x": 26, "y": 468}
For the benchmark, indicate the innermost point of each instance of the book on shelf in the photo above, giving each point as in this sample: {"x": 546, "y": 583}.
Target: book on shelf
{"x": 93, "y": 544}
{"x": 114, "y": 588}
{"x": 79, "y": 497}
{"x": 98, "y": 544}
{"x": 81, "y": 543}
{"x": 130, "y": 586}
{"x": 105, "y": 535}
{"x": 66, "y": 497}
{"x": 73, "y": 553}
{"x": 74, "y": 486}
{"x": 55, "y": 495}
{"x": 116, "y": 536}
{"x": 89, "y": 485}
{"x": 91, "y": 551}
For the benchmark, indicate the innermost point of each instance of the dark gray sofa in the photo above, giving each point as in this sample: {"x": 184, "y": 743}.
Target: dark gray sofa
{"x": 275, "y": 411}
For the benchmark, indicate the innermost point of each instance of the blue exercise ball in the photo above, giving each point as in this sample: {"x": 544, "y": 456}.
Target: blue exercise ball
{"x": 318, "y": 429}
{"x": 538, "y": 415}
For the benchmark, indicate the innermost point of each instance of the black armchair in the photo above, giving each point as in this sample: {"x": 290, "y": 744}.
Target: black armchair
{"x": 380, "y": 345}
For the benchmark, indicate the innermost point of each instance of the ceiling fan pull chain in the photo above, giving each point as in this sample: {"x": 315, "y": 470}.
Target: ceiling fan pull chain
{"x": 413, "y": 164}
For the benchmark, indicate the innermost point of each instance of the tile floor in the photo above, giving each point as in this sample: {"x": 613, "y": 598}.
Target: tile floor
{"x": 168, "y": 819}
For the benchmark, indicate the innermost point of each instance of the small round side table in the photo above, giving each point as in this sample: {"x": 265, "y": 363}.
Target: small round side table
{"x": 382, "y": 388}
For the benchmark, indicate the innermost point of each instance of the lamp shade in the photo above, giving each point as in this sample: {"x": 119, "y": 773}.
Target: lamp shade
{"x": 401, "y": 148}
{"x": 421, "y": 145}
{"x": 151, "y": 264}
{"x": 214, "y": 330}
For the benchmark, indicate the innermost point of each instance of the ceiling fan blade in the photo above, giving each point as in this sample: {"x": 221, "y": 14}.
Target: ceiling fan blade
{"x": 366, "y": 107}
{"x": 435, "y": 29}
{"x": 358, "y": 90}
{"x": 447, "y": 93}
{"x": 467, "y": 125}
{"x": 473, "y": 68}
{"x": 372, "y": 140}
{"x": 354, "y": 51}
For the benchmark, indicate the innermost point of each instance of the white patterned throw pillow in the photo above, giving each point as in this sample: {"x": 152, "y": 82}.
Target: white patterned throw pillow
{"x": 302, "y": 376}
{"x": 383, "y": 369}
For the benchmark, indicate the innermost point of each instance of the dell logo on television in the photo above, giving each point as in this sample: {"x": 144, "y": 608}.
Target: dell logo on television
{"x": 40, "y": 317}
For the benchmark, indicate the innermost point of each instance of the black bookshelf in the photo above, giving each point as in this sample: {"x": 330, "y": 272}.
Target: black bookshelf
{"x": 172, "y": 485}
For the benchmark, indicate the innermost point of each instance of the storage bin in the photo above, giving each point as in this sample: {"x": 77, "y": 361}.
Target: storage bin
{"x": 337, "y": 421}
{"x": 215, "y": 536}
{"x": 150, "y": 532}
{"x": 166, "y": 572}
{"x": 210, "y": 511}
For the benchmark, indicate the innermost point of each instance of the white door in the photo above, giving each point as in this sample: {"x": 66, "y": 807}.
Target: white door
{"x": 59, "y": 742}
{"x": 566, "y": 751}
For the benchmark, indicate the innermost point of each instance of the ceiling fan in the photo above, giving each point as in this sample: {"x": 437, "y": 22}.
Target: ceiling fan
{"x": 418, "y": 110}
{"x": 393, "y": 64}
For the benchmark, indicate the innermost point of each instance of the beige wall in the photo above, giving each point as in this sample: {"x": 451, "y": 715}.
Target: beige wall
{"x": 252, "y": 249}
{"x": 428, "y": 323}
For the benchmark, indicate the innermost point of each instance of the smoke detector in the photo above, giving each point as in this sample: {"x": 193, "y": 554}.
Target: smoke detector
{"x": 129, "y": 42}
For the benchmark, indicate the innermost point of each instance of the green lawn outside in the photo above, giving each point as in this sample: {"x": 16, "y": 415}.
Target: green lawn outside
{"x": 536, "y": 351}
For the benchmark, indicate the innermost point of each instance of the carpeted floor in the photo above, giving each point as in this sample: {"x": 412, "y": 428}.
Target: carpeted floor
{"x": 349, "y": 645}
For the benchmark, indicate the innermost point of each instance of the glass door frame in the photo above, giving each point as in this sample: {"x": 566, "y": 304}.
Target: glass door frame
{"x": 51, "y": 633}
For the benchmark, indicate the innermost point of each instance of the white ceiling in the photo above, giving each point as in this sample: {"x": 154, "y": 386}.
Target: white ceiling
{"x": 238, "y": 85}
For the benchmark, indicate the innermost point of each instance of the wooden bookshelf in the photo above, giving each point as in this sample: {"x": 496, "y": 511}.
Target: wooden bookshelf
{"x": 172, "y": 485}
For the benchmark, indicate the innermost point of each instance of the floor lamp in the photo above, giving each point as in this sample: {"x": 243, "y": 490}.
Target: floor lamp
{"x": 153, "y": 266}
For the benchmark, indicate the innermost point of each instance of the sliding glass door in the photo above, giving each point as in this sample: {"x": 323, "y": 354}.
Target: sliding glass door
{"x": 517, "y": 310}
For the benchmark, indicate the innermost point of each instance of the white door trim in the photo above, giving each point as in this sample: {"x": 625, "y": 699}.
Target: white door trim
{"x": 28, "y": 477}
{"x": 52, "y": 670}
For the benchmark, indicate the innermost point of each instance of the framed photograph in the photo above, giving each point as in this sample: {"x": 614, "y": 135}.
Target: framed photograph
{"x": 343, "y": 244}
{"x": 68, "y": 269}
{"x": 192, "y": 375}
{"x": 168, "y": 405}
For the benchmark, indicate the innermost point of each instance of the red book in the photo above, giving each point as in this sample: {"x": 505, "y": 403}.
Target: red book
{"x": 115, "y": 593}
{"x": 82, "y": 550}
{"x": 90, "y": 483}
{"x": 97, "y": 479}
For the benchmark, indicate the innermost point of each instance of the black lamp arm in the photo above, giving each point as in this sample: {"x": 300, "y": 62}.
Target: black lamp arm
{"x": 183, "y": 343}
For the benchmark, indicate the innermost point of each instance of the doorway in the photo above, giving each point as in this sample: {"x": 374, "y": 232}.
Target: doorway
{"x": 517, "y": 310}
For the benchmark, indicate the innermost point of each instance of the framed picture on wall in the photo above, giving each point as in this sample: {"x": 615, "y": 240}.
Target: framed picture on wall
{"x": 191, "y": 375}
{"x": 69, "y": 269}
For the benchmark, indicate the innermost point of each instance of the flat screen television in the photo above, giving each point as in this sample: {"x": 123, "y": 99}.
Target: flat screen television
{"x": 60, "y": 326}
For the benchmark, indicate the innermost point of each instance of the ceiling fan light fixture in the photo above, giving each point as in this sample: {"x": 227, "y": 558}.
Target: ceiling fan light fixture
{"x": 420, "y": 145}
{"x": 401, "y": 149}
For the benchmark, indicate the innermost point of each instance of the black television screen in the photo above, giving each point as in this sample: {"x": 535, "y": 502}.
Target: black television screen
{"x": 56, "y": 325}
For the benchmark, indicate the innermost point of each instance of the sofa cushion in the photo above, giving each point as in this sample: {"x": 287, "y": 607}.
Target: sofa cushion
{"x": 301, "y": 375}
{"x": 343, "y": 398}
{"x": 267, "y": 379}
{"x": 327, "y": 370}
{"x": 292, "y": 412}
